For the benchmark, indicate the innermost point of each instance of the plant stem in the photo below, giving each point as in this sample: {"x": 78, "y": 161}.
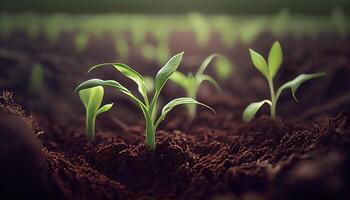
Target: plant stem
{"x": 150, "y": 133}
{"x": 192, "y": 108}
{"x": 90, "y": 127}
{"x": 273, "y": 100}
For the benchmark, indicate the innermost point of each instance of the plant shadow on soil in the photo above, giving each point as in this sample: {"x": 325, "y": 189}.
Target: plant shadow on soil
{"x": 212, "y": 157}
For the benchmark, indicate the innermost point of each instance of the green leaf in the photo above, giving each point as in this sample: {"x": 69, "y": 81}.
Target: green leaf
{"x": 259, "y": 63}
{"x": 250, "y": 111}
{"x": 204, "y": 77}
{"x": 180, "y": 79}
{"x": 295, "y": 83}
{"x": 165, "y": 72}
{"x": 130, "y": 73}
{"x": 104, "y": 108}
{"x": 98, "y": 82}
{"x": 275, "y": 59}
{"x": 223, "y": 67}
{"x": 205, "y": 64}
{"x": 92, "y": 97}
{"x": 149, "y": 83}
{"x": 176, "y": 102}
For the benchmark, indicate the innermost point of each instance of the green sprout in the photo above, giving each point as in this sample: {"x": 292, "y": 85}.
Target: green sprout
{"x": 121, "y": 47}
{"x": 92, "y": 99}
{"x": 81, "y": 41}
{"x": 146, "y": 106}
{"x": 36, "y": 78}
{"x": 269, "y": 70}
{"x": 191, "y": 83}
{"x": 223, "y": 67}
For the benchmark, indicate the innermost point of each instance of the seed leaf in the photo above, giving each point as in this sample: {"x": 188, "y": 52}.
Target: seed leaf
{"x": 259, "y": 63}
{"x": 104, "y": 108}
{"x": 295, "y": 83}
{"x": 130, "y": 73}
{"x": 250, "y": 111}
{"x": 205, "y": 64}
{"x": 98, "y": 82}
{"x": 275, "y": 59}
{"x": 176, "y": 102}
{"x": 204, "y": 77}
{"x": 166, "y": 71}
{"x": 92, "y": 98}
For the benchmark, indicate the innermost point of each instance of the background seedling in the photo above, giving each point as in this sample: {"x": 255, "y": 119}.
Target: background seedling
{"x": 269, "y": 71}
{"x": 147, "y": 107}
{"x": 81, "y": 41}
{"x": 92, "y": 99}
{"x": 191, "y": 83}
{"x": 36, "y": 78}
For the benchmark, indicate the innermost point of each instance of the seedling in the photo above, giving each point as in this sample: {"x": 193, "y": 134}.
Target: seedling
{"x": 92, "y": 99}
{"x": 36, "y": 78}
{"x": 191, "y": 83}
{"x": 147, "y": 107}
{"x": 269, "y": 70}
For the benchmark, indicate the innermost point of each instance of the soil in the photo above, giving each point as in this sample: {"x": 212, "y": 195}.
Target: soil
{"x": 304, "y": 154}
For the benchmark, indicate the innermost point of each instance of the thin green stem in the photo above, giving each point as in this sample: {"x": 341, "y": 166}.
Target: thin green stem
{"x": 273, "y": 100}
{"x": 90, "y": 127}
{"x": 150, "y": 133}
{"x": 192, "y": 108}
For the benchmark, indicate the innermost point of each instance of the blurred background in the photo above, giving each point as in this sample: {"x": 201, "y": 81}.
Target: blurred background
{"x": 46, "y": 47}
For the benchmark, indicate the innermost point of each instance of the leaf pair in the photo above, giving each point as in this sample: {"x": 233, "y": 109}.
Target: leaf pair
{"x": 192, "y": 83}
{"x": 92, "y": 99}
{"x": 275, "y": 58}
{"x": 269, "y": 71}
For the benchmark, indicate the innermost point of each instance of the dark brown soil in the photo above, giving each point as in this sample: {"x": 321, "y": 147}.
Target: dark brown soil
{"x": 260, "y": 160}
{"x": 212, "y": 157}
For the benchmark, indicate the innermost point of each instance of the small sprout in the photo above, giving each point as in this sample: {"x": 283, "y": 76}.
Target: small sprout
{"x": 147, "y": 107}
{"x": 36, "y": 78}
{"x": 223, "y": 67}
{"x": 269, "y": 70}
{"x": 81, "y": 41}
{"x": 92, "y": 99}
{"x": 191, "y": 83}
{"x": 122, "y": 48}
{"x": 201, "y": 28}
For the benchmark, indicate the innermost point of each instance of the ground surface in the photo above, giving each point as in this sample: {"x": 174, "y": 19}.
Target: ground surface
{"x": 302, "y": 155}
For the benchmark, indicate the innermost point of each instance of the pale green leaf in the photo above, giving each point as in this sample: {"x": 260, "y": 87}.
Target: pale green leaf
{"x": 176, "y": 102}
{"x": 295, "y": 83}
{"x": 130, "y": 73}
{"x": 223, "y": 67}
{"x": 166, "y": 71}
{"x": 104, "y": 108}
{"x": 98, "y": 82}
{"x": 181, "y": 80}
{"x": 149, "y": 82}
{"x": 250, "y": 111}
{"x": 275, "y": 59}
{"x": 205, "y": 64}
{"x": 208, "y": 78}
{"x": 259, "y": 63}
{"x": 86, "y": 96}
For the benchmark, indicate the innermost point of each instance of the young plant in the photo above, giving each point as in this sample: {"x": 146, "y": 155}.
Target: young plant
{"x": 269, "y": 70}
{"x": 146, "y": 106}
{"x": 191, "y": 83}
{"x": 92, "y": 99}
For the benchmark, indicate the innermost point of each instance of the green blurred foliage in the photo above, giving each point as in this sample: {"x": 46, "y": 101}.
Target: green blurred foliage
{"x": 81, "y": 41}
{"x": 36, "y": 78}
